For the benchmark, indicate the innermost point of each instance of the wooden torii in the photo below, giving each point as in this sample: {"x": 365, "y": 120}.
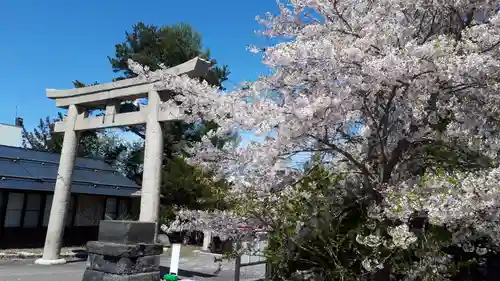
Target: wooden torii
{"x": 108, "y": 97}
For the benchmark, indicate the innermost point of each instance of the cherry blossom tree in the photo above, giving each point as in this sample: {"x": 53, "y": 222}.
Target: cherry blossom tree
{"x": 399, "y": 98}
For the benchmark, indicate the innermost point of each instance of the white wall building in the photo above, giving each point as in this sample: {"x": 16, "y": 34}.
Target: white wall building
{"x": 11, "y": 135}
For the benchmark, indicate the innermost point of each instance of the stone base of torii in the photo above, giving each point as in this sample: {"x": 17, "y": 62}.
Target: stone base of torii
{"x": 108, "y": 97}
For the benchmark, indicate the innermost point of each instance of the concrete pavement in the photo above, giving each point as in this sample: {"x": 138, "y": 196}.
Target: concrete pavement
{"x": 25, "y": 270}
{"x": 200, "y": 267}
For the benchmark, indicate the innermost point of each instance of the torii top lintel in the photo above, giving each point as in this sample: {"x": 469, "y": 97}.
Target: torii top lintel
{"x": 126, "y": 89}
{"x": 108, "y": 96}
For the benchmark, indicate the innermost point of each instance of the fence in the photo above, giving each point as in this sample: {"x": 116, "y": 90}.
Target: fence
{"x": 254, "y": 257}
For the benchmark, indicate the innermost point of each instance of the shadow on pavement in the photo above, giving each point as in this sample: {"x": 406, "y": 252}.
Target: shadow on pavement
{"x": 185, "y": 273}
{"x": 79, "y": 256}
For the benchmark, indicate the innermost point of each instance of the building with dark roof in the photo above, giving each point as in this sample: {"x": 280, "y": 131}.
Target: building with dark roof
{"x": 27, "y": 181}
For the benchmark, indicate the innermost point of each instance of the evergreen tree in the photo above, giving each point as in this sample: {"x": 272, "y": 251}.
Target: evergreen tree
{"x": 152, "y": 46}
{"x": 43, "y": 138}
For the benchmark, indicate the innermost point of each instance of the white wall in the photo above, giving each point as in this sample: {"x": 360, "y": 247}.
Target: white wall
{"x": 10, "y": 135}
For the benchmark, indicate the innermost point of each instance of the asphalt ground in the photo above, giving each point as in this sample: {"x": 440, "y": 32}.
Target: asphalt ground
{"x": 198, "y": 267}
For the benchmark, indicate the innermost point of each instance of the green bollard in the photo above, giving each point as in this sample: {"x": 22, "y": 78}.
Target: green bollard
{"x": 170, "y": 277}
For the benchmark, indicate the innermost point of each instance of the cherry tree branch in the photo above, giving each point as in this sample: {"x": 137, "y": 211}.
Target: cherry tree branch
{"x": 347, "y": 155}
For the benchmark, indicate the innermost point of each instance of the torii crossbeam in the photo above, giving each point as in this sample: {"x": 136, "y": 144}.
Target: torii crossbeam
{"x": 108, "y": 97}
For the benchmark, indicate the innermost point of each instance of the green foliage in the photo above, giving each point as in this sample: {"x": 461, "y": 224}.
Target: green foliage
{"x": 182, "y": 184}
{"x": 43, "y": 138}
{"x": 203, "y": 193}
{"x": 152, "y": 46}
{"x": 186, "y": 186}
{"x": 325, "y": 240}
{"x": 79, "y": 84}
{"x": 100, "y": 145}
{"x": 315, "y": 227}
{"x": 132, "y": 163}
{"x": 167, "y": 45}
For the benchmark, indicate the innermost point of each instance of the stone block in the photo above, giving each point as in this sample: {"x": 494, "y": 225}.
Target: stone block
{"x": 124, "y": 250}
{"x": 126, "y": 232}
{"x": 164, "y": 240}
{"x": 92, "y": 275}
{"x": 123, "y": 265}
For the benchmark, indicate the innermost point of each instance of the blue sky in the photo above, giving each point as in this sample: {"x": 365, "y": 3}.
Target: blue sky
{"x": 48, "y": 44}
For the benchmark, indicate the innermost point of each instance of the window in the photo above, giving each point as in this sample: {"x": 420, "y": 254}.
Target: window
{"x": 123, "y": 207}
{"x": 14, "y": 210}
{"x": 46, "y": 212}
{"x": 110, "y": 212}
{"x": 71, "y": 209}
{"x": 90, "y": 210}
{"x": 32, "y": 210}
{"x": 48, "y": 206}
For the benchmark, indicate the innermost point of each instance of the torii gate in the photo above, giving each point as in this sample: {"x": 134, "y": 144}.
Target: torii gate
{"x": 108, "y": 96}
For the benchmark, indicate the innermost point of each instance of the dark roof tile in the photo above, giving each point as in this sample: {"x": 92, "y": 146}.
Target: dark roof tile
{"x": 36, "y": 170}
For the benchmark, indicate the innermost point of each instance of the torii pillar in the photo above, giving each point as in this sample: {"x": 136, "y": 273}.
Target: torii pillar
{"x": 153, "y": 158}
{"x": 108, "y": 97}
{"x": 62, "y": 193}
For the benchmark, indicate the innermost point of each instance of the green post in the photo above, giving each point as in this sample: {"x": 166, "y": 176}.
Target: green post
{"x": 170, "y": 277}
